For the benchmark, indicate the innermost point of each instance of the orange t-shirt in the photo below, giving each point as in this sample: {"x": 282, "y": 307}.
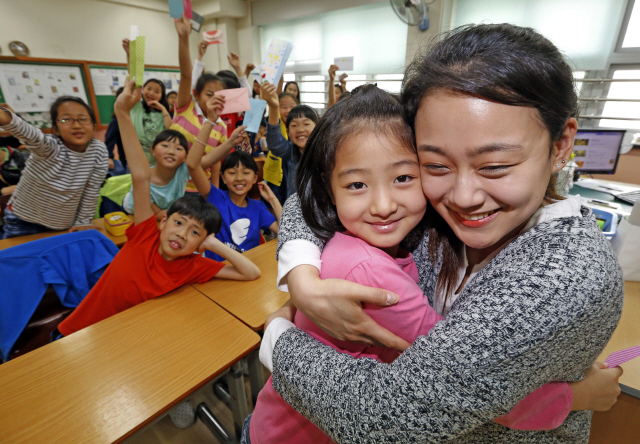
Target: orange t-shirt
{"x": 137, "y": 273}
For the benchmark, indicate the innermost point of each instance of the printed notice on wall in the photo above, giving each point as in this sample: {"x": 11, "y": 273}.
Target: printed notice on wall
{"x": 33, "y": 88}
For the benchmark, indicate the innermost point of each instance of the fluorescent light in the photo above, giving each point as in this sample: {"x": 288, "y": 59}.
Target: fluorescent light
{"x": 308, "y": 62}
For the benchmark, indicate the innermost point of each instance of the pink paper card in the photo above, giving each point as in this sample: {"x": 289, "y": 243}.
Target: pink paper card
{"x": 622, "y": 356}
{"x": 237, "y": 100}
{"x": 188, "y": 12}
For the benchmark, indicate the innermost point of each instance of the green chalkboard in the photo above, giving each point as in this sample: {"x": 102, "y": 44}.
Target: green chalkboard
{"x": 107, "y": 79}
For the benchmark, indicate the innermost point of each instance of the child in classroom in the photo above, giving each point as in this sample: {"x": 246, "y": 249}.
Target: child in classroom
{"x": 300, "y": 122}
{"x": 359, "y": 188}
{"x": 61, "y": 180}
{"x": 155, "y": 261}
{"x": 189, "y": 118}
{"x": 150, "y": 116}
{"x": 242, "y": 218}
{"x": 171, "y": 100}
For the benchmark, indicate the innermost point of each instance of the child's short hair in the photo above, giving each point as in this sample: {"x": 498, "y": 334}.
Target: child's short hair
{"x": 302, "y": 111}
{"x": 205, "y": 78}
{"x": 55, "y": 106}
{"x": 172, "y": 93}
{"x": 195, "y": 206}
{"x": 239, "y": 158}
{"x": 291, "y": 96}
{"x": 229, "y": 78}
{"x": 367, "y": 110}
{"x": 170, "y": 135}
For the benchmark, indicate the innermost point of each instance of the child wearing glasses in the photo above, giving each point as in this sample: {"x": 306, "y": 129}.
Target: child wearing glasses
{"x": 61, "y": 181}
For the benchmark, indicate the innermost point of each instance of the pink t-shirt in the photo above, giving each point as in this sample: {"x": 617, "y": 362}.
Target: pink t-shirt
{"x": 350, "y": 258}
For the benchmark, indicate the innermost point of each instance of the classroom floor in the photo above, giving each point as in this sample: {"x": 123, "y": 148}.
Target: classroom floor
{"x": 164, "y": 432}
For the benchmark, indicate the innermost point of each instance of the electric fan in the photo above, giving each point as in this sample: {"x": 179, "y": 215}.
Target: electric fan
{"x": 412, "y": 12}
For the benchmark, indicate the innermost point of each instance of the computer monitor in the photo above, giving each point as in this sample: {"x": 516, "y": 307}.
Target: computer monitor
{"x": 597, "y": 151}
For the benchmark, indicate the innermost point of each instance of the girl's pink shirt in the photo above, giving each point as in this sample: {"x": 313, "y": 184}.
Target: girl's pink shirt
{"x": 350, "y": 258}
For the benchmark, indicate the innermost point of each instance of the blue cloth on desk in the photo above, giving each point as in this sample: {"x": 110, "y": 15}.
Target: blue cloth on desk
{"x": 72, "y": 263}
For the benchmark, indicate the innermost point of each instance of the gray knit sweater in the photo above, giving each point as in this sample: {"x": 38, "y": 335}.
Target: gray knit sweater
{"x": 542, "y": 310}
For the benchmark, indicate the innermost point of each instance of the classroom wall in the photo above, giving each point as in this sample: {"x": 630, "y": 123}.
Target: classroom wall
{"x": 88, "y": 29}
{"x": 270, "y": 11}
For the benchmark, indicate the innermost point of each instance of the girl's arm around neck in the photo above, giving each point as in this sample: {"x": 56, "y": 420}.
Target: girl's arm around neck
{"x": 136, "y": 159}
{"x": 241, "y": 268}
{"x": 219, "y": 152}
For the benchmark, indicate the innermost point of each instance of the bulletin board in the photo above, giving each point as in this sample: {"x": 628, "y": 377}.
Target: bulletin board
{"x": 30, "y": 87}
{"x": 107, "y": 79}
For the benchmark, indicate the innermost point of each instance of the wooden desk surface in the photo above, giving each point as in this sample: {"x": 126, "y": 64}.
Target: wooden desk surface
{"x": 628, "y": 335}
{"x": 252, "y": 301}
{"x": 98, "y": 223}
{"x": 103, "y": 383}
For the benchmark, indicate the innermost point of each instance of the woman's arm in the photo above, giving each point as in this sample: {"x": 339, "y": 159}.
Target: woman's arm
{"x": 510, "y": 332}
{"x": 241, "y": 268}
{"x": 183, "y": 27}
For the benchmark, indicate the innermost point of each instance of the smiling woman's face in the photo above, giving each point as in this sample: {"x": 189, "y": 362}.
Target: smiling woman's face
{"x": 485, "y": 166}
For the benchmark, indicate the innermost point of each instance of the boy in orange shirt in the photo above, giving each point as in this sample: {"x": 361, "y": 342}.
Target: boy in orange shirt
{"x": 154, "y": 262}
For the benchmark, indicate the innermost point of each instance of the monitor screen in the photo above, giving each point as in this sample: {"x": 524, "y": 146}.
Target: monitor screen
{"x": 597, "y": 151}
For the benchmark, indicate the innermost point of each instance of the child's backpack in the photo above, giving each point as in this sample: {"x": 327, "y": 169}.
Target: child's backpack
{"x": 11, "y": 169}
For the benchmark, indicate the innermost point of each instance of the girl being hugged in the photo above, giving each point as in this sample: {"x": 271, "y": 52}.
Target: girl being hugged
{"x": 61, "y": 181}
{"x": 242, "y": 218}
{"x": 151, "y": 115}
{"x": 360, "y": 191}
{"x": 188, "y": 119}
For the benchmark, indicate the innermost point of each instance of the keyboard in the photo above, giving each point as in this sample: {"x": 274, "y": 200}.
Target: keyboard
{"x": 630, "y": 197}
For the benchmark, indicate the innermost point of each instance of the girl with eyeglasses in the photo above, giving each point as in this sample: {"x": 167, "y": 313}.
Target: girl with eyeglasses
{"x": 61, "y": 181}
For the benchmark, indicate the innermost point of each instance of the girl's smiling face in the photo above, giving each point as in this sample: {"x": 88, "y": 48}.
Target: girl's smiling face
{"x": 286, "y": 105}
{"x": 292, "y": 89}
{"x": 152, "y": 91}
{"x": 299, "y": 131}
{"x": 485, "y": 166}
{"x": 169, "y": 153}
{"x": 74, "y": 126}
{"x": 209, "y": 90}
{"x": 376, "y": 189}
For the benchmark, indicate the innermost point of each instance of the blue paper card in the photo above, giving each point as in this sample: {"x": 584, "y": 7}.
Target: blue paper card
{"x": 253, "y": 117}
{"x": 176, "y": 8}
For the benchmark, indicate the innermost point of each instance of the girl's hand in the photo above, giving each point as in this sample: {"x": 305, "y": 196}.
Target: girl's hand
{"x": 183, "y": 26}
{"x": 128, "y": 98}
{"x": 270, "y": 95}
{"x": 157, "y": 105}
{"x": 599, "y": 389}
{"x": 247, "y": 70}
{"x": 343, "y": 77}
{"x": 202, "y": 49}
{"x": 234, "y": 60}
{"x": 125, "y": 45}
{"x": 287, "y": 311}
{"x": 265, "y": 191}
{"x": 238, "y": 135}
{"x": 214, "y": 106}
{"x": 335, "y": 305}
{"x": 332, "y": 72}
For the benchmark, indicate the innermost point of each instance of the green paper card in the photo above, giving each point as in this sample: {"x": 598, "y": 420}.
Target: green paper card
{"x": 136, "y": 60}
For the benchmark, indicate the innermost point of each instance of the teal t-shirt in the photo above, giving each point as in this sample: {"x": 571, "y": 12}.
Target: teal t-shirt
{"x": 163, "y": 196}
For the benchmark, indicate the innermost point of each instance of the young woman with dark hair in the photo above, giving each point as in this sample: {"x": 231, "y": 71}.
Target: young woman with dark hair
{"x": 538, "y": 291}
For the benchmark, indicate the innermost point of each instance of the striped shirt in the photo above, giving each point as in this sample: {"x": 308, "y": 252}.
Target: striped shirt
{"x": 59, "y": 188}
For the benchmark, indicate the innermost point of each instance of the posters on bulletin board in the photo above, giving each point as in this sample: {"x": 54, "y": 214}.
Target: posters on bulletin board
{"x": 107, "y": 81}
{"x": 33, "y": 88}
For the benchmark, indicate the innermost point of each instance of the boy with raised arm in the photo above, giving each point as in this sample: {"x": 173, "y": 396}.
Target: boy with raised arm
{"x": 156, "y": 259}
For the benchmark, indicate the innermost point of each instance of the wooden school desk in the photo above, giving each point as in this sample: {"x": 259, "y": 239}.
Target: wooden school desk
{"x": 98, "y": 223}
{"x": 251, "y": 302}
{"x": 621, "y": 424}
{"x": 103, "y": 383}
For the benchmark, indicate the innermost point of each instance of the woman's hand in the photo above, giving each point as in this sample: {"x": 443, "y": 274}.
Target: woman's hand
{"x": 128, "y": 98}
{"x": 214, "y": 106}
{"x": 599, "y": 389}
{"x": 125, "y": 45}
{"x": 335, "y": 306}
{"x": 332, "y": 72}
{"x": 202, "y": 49}
{"x": 270, "y": 95}
{"x": 183, "y": 26}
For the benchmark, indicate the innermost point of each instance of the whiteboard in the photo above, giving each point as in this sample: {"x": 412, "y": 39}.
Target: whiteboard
{"x": 33, "y": 88}
{"x": 107, "y": 81}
